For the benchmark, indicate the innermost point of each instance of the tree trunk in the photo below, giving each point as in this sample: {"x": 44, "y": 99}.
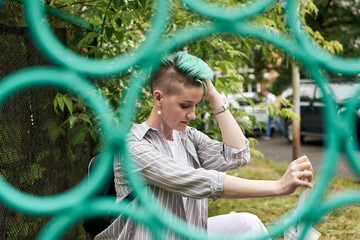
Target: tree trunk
{"x": 296, "y": 102}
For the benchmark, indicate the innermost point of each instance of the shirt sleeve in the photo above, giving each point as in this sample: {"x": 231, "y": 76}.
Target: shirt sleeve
{"x": 217, "y": 155}
{"x": 165, "y": 172}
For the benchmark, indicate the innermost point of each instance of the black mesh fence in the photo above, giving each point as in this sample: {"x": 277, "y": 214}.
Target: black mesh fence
{"x": 32, "y": 159}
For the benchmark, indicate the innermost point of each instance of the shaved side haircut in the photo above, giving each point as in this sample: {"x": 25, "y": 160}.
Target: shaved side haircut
{"x": 180, "y": 68}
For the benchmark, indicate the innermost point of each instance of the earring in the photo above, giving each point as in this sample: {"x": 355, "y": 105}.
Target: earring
{"x": 161, "y": 124}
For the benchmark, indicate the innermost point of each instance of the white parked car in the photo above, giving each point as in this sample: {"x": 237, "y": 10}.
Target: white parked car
{"x": 253, "y": 104}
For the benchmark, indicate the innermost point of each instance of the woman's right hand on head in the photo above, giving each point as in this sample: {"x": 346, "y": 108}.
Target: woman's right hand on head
{"x": 211, "y": 90}
{"x": 299, "y": 170}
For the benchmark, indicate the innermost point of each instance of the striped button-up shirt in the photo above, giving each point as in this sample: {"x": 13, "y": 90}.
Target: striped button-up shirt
{"x": 170, "y": 180}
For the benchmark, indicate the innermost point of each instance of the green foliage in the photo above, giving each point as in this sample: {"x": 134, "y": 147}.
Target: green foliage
{"x": 338, "y": 22}
{"x": 334, "y": 47}
{"x": 254, "y": 153}
{"x": 28, "y": 228}
{"x": 28, "y": 174}
{"x": 76, "y": 113}
{"x": 124, "y": 26}
{"x": 36, "y": 170}
{"x": 10, "y": 153}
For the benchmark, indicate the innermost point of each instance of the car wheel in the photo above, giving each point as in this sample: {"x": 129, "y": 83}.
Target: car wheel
{"x": 289, "y": 132}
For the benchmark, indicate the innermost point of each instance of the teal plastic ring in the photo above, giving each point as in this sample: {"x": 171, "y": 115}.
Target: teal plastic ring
{"x": 57, "y": 52}
{"x": 228, "y": 13}
{"x": 36, "y": 205}
{"x": 312, "y": 50}
{"x": 91, "y": 209}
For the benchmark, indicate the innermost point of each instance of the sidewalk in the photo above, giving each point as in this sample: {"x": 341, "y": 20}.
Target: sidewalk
{"x": 279, "y": 150}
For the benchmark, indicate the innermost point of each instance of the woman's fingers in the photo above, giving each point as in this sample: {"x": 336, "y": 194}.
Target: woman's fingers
{"x": 304, "y": 178}
{"x": 299, "y": 170}
{"x": 210, "y": 88}
{"x": 301, "y": 159}
{"x": 302, "y": 163}
{"x": 303, "y": 167}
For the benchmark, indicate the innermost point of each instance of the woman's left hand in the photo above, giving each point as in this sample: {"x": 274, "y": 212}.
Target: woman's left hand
{"x": 295, "y": 175}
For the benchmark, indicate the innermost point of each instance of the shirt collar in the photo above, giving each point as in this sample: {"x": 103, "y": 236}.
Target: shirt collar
{"x": 139, "y": 130}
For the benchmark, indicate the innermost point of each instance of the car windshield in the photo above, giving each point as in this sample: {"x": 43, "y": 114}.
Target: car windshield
{"x": 243, "y": 100}
{"x": 343, "y": 91}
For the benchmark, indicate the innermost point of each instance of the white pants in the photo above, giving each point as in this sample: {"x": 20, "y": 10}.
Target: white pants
{"x": 236, "y": 224}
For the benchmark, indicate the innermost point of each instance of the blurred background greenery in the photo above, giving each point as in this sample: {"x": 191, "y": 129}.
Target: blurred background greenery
{"x": 66, "y": 128}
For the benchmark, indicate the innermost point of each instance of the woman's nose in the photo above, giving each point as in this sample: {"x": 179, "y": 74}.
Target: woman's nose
{"x": 192, "y": 115}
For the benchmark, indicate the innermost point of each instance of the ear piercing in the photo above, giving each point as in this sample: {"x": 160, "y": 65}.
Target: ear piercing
{"x": 161, "y": 124}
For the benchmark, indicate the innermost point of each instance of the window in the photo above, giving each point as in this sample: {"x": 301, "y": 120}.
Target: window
{"x": 318, "y": 95}
{"x": 307, "y": 92}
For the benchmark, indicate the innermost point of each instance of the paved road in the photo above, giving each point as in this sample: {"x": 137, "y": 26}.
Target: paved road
{"x": 279, "y": 150}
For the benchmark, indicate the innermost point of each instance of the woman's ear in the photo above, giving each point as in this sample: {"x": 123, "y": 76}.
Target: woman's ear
{"x": 158, "y": 95}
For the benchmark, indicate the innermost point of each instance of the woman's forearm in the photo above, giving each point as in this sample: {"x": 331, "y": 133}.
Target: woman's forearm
{"x": 235, "y": 188}
{"x": 230, "y": 130}
{"x": 298, "y": 170}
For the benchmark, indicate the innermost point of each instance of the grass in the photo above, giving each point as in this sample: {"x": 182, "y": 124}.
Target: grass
{"x": 341, "y": 223}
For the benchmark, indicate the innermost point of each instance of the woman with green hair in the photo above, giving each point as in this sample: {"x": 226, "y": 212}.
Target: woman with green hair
{"x": 184, "y": 167}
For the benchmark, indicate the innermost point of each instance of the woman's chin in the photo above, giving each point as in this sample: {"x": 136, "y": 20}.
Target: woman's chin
{"x": 181, "y": 127}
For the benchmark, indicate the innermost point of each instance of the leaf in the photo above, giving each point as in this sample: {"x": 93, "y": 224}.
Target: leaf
{"x": 287, "y": 113}
{"x": 85, "y": 118}
{"x": 117, "y": 3}
{"x": 68, "y": 103}
{"x": 54, "y": 134}
{"x": 223, "y": 68}
{"x": 72, "y": 121}
{"x": 55, "y": 107}
{"x": 78, "y": 138}
{"x": 37, "y": 171}
{"x": 119, "y": 36}
{"x": 60, "y": 102}
{"x": 88, "y": 39}
{"x": 142, "y": 3}
{"x": 234, "y": 78}
{"x": 127, "y": 18}
{"x": 91, "y": 37}
{"x": 109, "y": 32}
{"x": 133, "y": 4}
{"x": 93, "y": 134}
{"x": 118, "y": 22}
{"x": 55, "y": 102}
{"x": 310, "y": 31}
{"x": 317, "y": 36}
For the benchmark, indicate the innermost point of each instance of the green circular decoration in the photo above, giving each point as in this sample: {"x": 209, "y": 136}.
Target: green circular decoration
{"x": 228, "y": 14}
{"x": 99, "y": 206}
{"x": 36, "y": 205}
{"x": 58, "y": 53}
{"x": 70, "y": 207}
{"x": 312, "y": 50}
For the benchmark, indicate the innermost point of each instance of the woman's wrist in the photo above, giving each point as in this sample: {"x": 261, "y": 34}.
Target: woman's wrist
{"x": 215, "y": 100}
{"x": 279, "y": 189}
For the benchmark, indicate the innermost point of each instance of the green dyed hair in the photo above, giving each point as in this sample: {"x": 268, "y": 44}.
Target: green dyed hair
{"x": 182, "y": 68}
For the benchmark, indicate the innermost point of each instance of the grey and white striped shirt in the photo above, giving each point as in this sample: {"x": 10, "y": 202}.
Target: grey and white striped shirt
{"x": 170, "y": 180}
